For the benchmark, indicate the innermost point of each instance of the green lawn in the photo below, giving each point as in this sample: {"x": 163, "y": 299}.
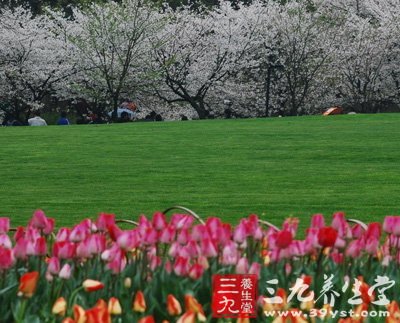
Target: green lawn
{"x": 230, "y": 168}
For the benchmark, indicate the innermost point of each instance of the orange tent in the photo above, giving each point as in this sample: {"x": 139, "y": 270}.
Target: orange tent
{"x": 332, "y": 111}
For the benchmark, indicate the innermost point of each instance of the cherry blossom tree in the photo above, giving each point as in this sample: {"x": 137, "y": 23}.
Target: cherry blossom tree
{"x": 112, "y": 44}
{"x": 32, "y": 58}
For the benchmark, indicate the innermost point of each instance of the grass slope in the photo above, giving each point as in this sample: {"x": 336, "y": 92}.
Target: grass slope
{"x": 229, "y": 168}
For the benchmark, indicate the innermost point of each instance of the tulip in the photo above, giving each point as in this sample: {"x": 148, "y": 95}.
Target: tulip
{"x": 196, "y": 271}
{"x": 129, "y": 239}
{"x": 354, "y": 249}
{"x": 64, "y": 250}
{"x": 200, "y": 232}
{"x": 114, "y": 306}
{"x": 182, "y": 221}
{"x": 39, "y": 220}
{"x": 168, "y": 234}
{"x": 104, "y": 221}
{"x": 317, "y": 221}
{"x": 53, "y": 266}
{"x": 372, "y": 246}
{"x": 79, "y": 314}
{"x": 82, "y": 249}
{"x": 20, "y": 233}
{"x": 5, "y": 241}
{"x": 20, "y": 249}
{"x": 255, "y": 269}
{"x": 327, "y": 236}
{"x": 183, "y": 237}
{"x": 96, "y": 244}
{"x": 65, "y": 272}
{"x": 208, "y": 248}
{"x": 373, "y": 231}
{"x": 242, "y": 266}
{"x": 4, "y": 225}
{"x": 340, "y": 224}
{"x": 118, "y": 263}
{"x": 181, "y": 266}
{"x": 114, "y": 231}
{"x": 49, "y": 226}
{"x": 147, "y": 319}
{"x": 6, "y": 258}
{"x": 159, "y": 221}
{"x": 40, "y": 247}
{"x": 90, "y": 285}
{"x": 173, "y": 306}
{"x": 63, "y": 234}
{"x": 230, "y": 254}
{"x": 151, "y": 236}
{"x": 59, "y": 307}
{"x": 187, "y": 317}
{"x": 79, "y": 232}
{"x": 240, "y": 234}
{"x": 127, "y": 282}
{"x": 139, "y": 303}
{"x": 99, "y": 313}
{"x": 283, "y": 239}
{"x": 28, "y": 284}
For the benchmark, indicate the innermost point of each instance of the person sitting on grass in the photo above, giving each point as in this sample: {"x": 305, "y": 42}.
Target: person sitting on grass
{"x": 63, "y": 121}
{"x": 37, "y": 120}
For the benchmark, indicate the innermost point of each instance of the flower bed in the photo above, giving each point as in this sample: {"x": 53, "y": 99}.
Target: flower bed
{"x": 162, "y": 270}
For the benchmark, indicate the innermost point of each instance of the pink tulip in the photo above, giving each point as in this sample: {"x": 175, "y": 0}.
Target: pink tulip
{"x": 208, "y": 248}
{"x": 340, "y": 243}
{"x": 214, "y": 226}
{"x": 49, "y": 226}
{"x": 196, "y": 271}
{"x": 53, "y": 266}
{"x": 389, "y": 223}
{"x": 40, "y": 247}
{"x": 255, "y": 269}
{"x": 151, "y": 236}
{"x": 340, "y": 224}
{"x": 79, "y": 232}
{"x": 199, "y": 232}
{"x": 203, "y": 261}
{"x": 5, "y": 241}
{"x": 65, "y": 272}
{"x": 129, "y": 239}
{"x": 159, "y": 221}
{"x": 168, "y": 234}
{"x": 354, "y": 249}
{"x": 109, "y": 254}
{"x": 20, "y": 249}
{"x": 118, "y": 263}
{"x": 155, "y": 262}
{"x": 373, "y": 231}
{"x": 337, "y": 257}
{"x": 240, "y": 233}
{"x": 104, "y": 221}
{"x": 371, "y": 246}
{"x": 224, "y": 234}
{"x": 317, "y": 221}
{"x": 242, "y": 266}
{"x": 20, "y": 233}
{"x": 174, "y": 250}
{"x": 291, "y": 225}
{"x": 182, "y": 221}
{"x": 97, "y": 244}
{"x": 32, "y": 234}
{"x": 181, "y": 266}
{"x": 114, "y": 231}
{"x": 4, "y": 225}
{"x": 183, "y": 237}
{"x": 64, "y": 250}
{"x": 230, "y": 254}
{"x": 6, "y": 258}
{"x": 63, "y": 234}
{"x": 82, "y": 249}
{"x": 168, "y": 267}
{"x": 193, "y": 249}
{"x": 357, "y": 231}
{"x": 39, "y": 220}
{"x": 297, "y": 248}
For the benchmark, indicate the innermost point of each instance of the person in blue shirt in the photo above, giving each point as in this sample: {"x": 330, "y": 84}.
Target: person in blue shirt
{"x": 63, "y": 121}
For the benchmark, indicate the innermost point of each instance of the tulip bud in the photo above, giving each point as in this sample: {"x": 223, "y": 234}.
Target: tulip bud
{"x": 59, "y": 307}
{"x": 28, "y": 284}
{"x": 127, "y": 282}
{"x": 90, "y": 285}
{"x": 173, "y": 306}
{"x": 139, "y": 303}
{"x": 114, "y": 306}
{"x": 65, "y": 272}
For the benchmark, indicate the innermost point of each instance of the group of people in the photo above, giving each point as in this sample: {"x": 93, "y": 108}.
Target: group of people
{"x": 37, "y": 120}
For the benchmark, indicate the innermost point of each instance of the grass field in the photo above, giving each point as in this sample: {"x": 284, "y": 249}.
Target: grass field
{"x": 272, "y": 167}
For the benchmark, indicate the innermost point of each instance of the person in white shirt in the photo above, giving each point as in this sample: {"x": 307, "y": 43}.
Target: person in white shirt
{"x": 37, "y": 120}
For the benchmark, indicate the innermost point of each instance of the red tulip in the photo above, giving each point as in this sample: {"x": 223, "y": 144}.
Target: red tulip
{"x": 196, "y": 271}
{"x": 159, "y": 221}
{"x": 104, "y": 221}
{"x": 6, "y": 258}
{"x": 327, "y": 236}
{"x": 283, "y": 239}
{"x": 28, "y": 284}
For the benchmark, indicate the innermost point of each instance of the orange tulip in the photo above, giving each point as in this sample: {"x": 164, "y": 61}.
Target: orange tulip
{"x": 79, "y": 314}
{"x": 28, "y": 284}
{"x": 114, "y": 306}
{"x": 187, "y": 317}
{"x": 59, "y": 307}
{"x": 173, "y": 306}
{"x": 91, "y": 285}
{"x": 147, "y": 319}
{"x": 99, "y": 313}
{"x": 68, "y": 320}
{"x": 192, "y": 305}
{"x": 139, "y": 303}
